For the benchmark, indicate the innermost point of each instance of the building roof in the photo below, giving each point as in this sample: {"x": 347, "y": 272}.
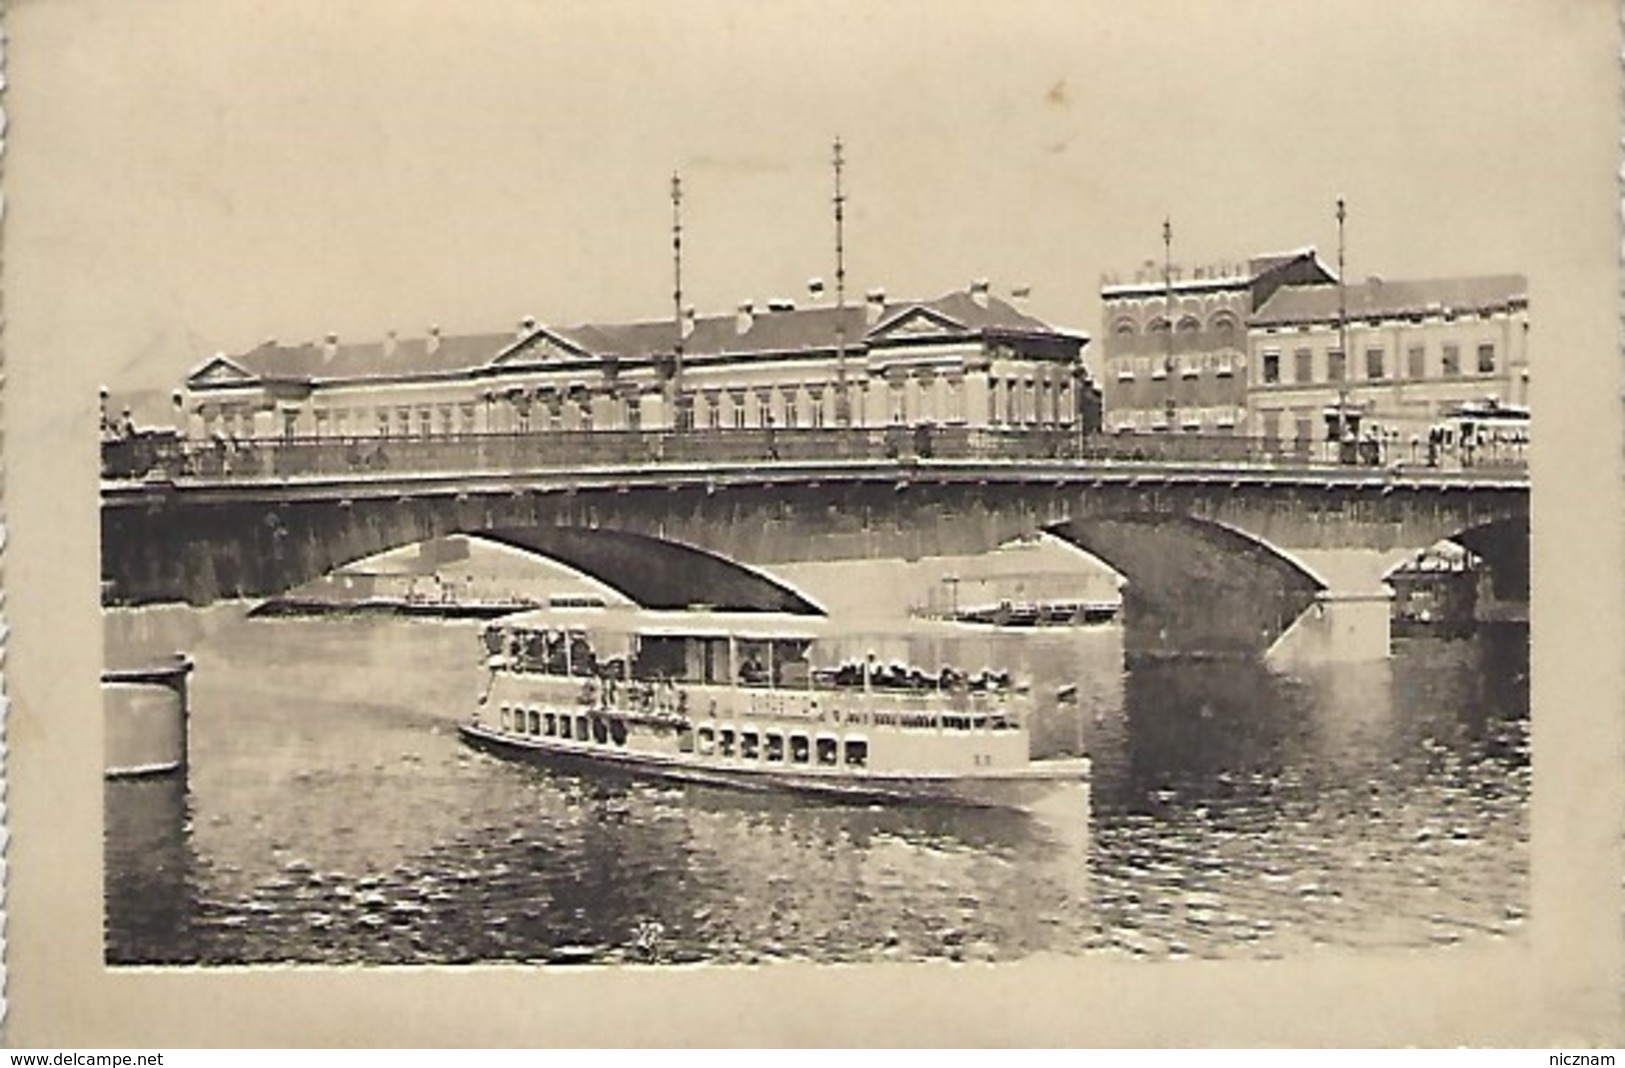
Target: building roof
{"x": 407, "y": 356}
{"x": 1377, "y": 298}
{"x": 768, "y": 332}
{"x": 1231, "y": 278}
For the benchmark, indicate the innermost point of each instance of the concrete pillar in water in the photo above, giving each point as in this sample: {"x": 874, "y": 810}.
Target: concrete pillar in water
{"x": 1349, "y": 619}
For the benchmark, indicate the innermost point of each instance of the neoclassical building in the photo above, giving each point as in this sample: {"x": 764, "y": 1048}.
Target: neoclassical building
{"x": 1174, "y": 347}
{"x": 1415, "y": 351}
{"x": 966, "y": 359}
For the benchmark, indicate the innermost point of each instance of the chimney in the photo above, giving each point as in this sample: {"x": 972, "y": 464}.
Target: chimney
{"x": 815, "y": 288}
{"x": 527, "y": 326}
{"x": 434, "y": 340}
{"x": 978, "y": 292}
{"x": 330, "y": 347}
{"x": 747, "y": 316}
{"x": 781, "y": 305}
{"x": 389, "y": 345}
{"x": 1019, "y": 295}
{"x": 874, "y": 306}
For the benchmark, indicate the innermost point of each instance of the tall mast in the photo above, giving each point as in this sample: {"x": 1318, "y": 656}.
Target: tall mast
{"x": 843, "y": 406}
{"x": 1342, "y": 333}
{"x": 677, "y": 298}
{"x": 1168, "y": 315}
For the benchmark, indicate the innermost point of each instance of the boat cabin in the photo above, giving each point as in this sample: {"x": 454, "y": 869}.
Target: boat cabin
{"x": 704, "y": 650}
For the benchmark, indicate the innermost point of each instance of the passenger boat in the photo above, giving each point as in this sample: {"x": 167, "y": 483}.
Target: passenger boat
{"x": 734, "y": 699}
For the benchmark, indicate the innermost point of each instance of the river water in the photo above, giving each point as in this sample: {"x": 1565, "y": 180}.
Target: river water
{"x": 331, "y": 815}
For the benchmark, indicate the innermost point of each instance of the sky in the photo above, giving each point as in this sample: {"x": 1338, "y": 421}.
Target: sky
{"x": 200, "y": 176}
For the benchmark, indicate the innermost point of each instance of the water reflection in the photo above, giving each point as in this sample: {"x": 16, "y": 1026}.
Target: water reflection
{"x": 333, "y": 816}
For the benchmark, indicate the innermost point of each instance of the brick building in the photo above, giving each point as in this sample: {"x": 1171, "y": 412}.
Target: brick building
{"x": 1182, "y": 367}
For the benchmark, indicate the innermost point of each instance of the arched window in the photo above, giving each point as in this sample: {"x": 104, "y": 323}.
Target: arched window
{"x": 1159, "y": 325}
{"x": 1189, "y": 325}
{"x": 1123, "y": 326}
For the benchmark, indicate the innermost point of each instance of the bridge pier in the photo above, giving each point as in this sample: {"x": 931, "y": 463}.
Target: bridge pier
{"x": 1348, "y": 620}
{"x": 1341, "y": 626}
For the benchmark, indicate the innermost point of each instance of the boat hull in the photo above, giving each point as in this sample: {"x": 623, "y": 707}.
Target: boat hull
{"x": 1020, "y": 787}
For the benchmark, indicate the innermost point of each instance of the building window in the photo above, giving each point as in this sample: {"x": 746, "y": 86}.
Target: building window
{"x": 713, "y": 411}
{"x": 1272, "y": 366}
{"x": 956, "y": 400}
{"x": 634, "y": 412}
{"x": 792, "y": 406}
{"x": 1416, "y": 359}
{"x": 1373, "y": 363}
{"x": 815, "y": 407}
{"x": 465, "y": 417}
{"x": 1450, "y": 360}
{"x": 1190, "y": 366}
{"x": 1486, "y": 359}
{"x": 1336, "y": 371}
{"x": 1125, "y": 370}
{"x": 764, "y": 409}
{"x": 383, "y": 422}
{"x": 1227, "y": 364}
{"x": 1272, "y": 430}
{"x": 738, "y": 404}
{"x": 1303, "y": 369}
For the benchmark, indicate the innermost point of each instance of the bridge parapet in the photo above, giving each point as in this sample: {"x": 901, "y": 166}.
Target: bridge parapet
{"x": 363, "y": 459}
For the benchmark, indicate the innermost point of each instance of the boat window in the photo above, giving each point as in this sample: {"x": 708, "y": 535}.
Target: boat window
{"x": 799, "y": 748}
{"x": 857, "y": 753}
{"x": 754, "y": 659}
{"x": 550, "y": 724}
{"x": 725, "y": 742}
{"x": 617, "y": 731}
{"x": 749, "y": 745}
{"x": 600, "y": 730}
{"x": 581, "y": 728}
{"x": 582, "y": 661}
{"x": 554, "y": 653}
{"x": 705, "y": 740}
{"x": 662, "y": 657}
{"x": 790, "y": 667}
{"x": 714, "y": 665}
{"x": 507, "y": 718}
{"x": 492, "y": 640}
{"x": 564, "y": 726}
{"x": 685, "y": 740}
{"x": 827, "y": 751}
{"x": 775, "y": 746}
{"x": 535, "y": 722}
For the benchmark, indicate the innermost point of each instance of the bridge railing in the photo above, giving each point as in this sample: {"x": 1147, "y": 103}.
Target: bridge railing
{"x": 166, "y": 457}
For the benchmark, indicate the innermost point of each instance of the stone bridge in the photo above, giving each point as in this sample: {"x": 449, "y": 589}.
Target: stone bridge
{"x": 1217, "y": 557}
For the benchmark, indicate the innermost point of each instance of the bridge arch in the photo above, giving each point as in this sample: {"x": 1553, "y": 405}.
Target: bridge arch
{"x": 1194, "y": 584}
{"x": 286, "y": 546}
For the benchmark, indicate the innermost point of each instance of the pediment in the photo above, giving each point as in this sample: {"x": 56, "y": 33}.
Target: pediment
{"x": 918, "y": 322}
{"x": 219, "y": 371}
{"x": 541, "y": 346}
